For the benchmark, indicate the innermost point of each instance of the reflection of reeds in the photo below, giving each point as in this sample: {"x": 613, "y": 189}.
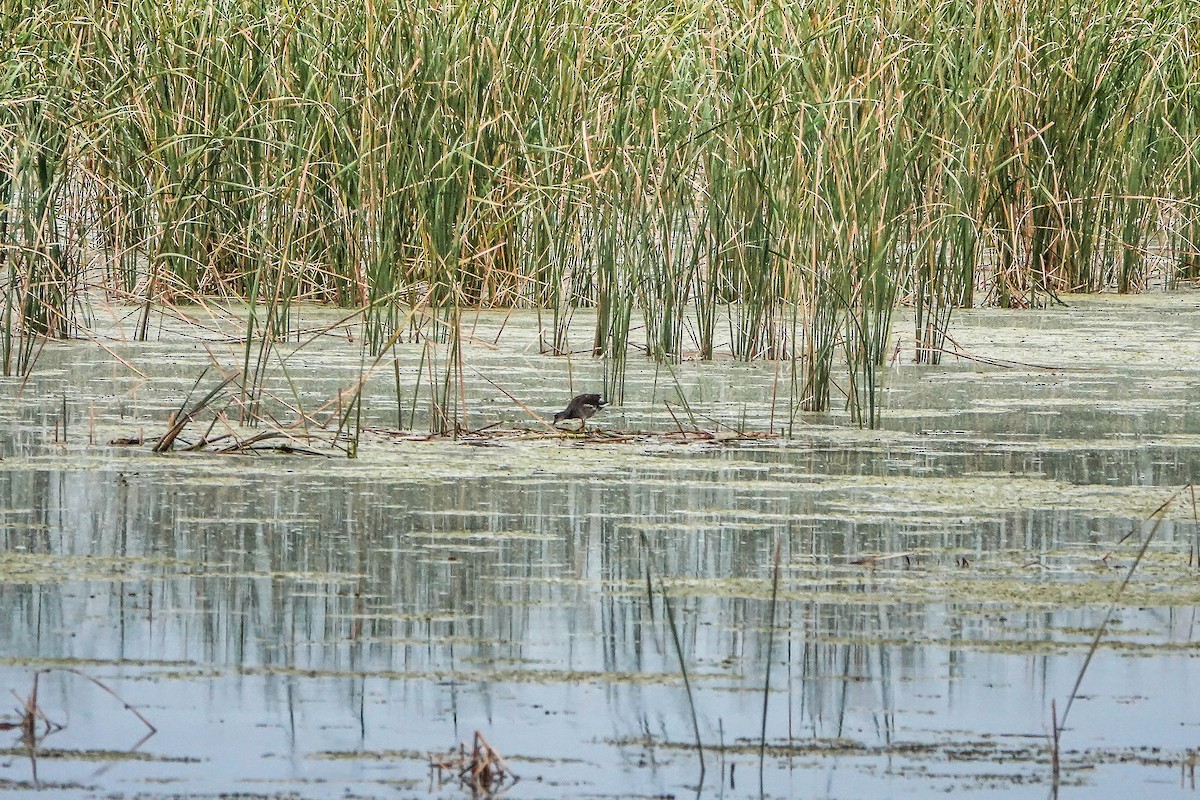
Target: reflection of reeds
{"x": 771, "y": 608}
{"x": 677, "y": 646}
{"x": 767, "y": 179}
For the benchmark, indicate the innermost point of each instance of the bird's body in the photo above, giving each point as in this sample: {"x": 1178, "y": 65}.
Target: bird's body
{"x": 581, "y": 407}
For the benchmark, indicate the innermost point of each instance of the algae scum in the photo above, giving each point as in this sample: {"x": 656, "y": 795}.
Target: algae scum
{"x": 311, "y": 626}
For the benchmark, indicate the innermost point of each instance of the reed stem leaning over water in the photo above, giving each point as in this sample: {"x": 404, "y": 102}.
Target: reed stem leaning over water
{"x": 784, "y": 172}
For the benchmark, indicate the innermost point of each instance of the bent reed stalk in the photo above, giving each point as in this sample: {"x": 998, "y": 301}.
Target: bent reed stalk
{"x": 765, "y": 180}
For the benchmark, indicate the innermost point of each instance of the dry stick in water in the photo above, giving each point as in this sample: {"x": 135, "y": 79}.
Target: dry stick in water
{"x": 125, "y": 363}
{"x": 507, "y": 394}
{"x": 1060, "y": 723}
{"x": 116, "y": 696}
{"x": 678, "y": 424}
{"x": 959, "y": 351}
{"x": 741, "y": 432}
{"x": 1055, "y": 749}
{"x": 487, "y": 768}
{"x": 867, "y": 560}
{"x": 181, "y": 422}
{"x": 484, "y": 772}
{"x": 29, "y": 705}
{"x": 33, "y": 712}
{"x": 179, "y": 419}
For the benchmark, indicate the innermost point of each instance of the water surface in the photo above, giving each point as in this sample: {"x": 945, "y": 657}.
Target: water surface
{"x": 312, "y": 626}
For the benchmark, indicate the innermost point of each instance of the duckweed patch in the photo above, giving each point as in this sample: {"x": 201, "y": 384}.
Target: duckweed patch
{"x": 56, "y": 754}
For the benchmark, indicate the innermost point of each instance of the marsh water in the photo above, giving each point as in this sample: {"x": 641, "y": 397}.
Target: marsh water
{"x": 318, "y": 626}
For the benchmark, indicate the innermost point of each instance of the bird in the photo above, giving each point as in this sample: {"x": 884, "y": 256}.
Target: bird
{"x": 581, "y": 407}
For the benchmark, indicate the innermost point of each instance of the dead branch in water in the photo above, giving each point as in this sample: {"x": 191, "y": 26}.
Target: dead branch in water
{"x": 872, "y": 560}
{"x": 184, "y": 417}
{"x": 484, "y": 771}
{"x": 30, "y": 712}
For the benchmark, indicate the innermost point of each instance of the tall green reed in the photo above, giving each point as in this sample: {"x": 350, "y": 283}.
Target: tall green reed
{"x": 40, "y": 248}
{"x": 757, "y": 180}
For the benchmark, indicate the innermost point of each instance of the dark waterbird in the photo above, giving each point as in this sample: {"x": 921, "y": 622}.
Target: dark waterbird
{"x": 581, "y": 407}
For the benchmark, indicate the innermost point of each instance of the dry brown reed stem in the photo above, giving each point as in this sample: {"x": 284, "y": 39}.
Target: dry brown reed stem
{"x": 484, "y": 771}
{"x": 31, "y": 710}
{"x": 29, "y": 714}
{"x": 182, "y": 419}
{"x": 959, "y": 352}
{"x": 509, "y": 395}
{"x": 116, "y": 356}
{"x": 872, "y": 560}
{"x": 678, "y": 424}
{"x": 290, "y": 446}
{"x": 1059, "y": 723}
{"x": 115, "y": 696}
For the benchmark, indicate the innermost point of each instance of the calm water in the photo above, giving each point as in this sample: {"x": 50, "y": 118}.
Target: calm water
{"x": 316, "y": 627}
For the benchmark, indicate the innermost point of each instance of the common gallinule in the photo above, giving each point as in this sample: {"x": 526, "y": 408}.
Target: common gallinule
{"x": 581, "y": 407}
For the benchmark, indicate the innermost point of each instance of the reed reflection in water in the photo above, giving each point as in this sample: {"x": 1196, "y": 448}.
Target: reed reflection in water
{"x": 270, "y": 616}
